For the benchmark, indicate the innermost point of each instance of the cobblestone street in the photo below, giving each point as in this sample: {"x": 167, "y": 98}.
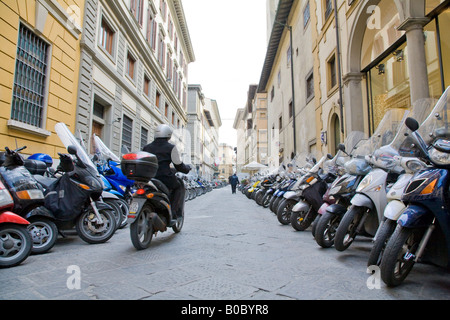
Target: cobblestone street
{"x": 229, "y": 249}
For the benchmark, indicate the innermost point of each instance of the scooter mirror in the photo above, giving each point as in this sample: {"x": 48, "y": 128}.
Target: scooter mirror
{"x": 412, "y": 124}
{"x": 341, "y": 147}
{"x": 72, "y": 150}
{"x": 329, "y": 156}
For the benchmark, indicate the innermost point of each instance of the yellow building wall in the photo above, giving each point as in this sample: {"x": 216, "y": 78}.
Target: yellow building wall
{"x": 64, "y": 64}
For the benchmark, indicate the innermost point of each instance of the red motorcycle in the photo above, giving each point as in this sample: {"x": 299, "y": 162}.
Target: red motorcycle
{"x": 15, "y": 240}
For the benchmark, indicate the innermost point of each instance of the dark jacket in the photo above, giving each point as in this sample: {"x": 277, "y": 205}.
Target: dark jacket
{"x": 233, "y": 180}
{"x": 163, "y": 150}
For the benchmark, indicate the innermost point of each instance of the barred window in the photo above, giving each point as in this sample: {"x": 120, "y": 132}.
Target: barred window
{"x": 144, "y": 137}
{"x": 328, "y": 8}
{"x": 127, "y": 132}
{"x": 30, "y": 79}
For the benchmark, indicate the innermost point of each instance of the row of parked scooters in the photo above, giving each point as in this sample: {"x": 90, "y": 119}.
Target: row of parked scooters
{"x": 87, "y": 194}
{"x": 392, "y": 187}
{"x": 196, "y": 187}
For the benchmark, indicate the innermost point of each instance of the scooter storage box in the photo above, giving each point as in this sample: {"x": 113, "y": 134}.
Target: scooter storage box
{"x": 139, "y": 166}
{"x": 35, "y": 166}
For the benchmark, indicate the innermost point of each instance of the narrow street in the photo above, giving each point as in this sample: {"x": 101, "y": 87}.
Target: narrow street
{"x": 229, "y": 249}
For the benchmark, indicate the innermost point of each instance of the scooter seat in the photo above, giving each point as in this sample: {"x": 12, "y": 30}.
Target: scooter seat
{"x": 161, "y": 186}
{"x": 46, "y": 182}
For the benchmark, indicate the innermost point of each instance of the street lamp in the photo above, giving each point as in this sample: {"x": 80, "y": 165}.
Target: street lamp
{"x": 235, "y": 151}
{"x": 292, "y": 82}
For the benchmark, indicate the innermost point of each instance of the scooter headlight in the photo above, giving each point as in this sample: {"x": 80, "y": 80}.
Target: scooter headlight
{"x": 415, "y": 165}
{"x": 364, "y": 183}
{"x": 30, "y": 194}
{"x": 439, "y": 157}
{"x": 5, "y": 198}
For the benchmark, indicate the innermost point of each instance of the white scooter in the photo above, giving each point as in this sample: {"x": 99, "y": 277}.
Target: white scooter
{"x": 366, "y": 212}
{"x": 395, "y": 206}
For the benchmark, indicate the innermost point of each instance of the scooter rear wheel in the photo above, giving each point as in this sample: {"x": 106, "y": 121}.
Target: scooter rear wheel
{"x": 141, "y": 230}
{"x": 44, "y": 234}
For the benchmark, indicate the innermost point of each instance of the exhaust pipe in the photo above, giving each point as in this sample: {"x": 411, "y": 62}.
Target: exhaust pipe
{"x": 158, "y": 223}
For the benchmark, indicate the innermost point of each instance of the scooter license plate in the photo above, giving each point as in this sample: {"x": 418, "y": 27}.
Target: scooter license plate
{"x": 134, "y": 207}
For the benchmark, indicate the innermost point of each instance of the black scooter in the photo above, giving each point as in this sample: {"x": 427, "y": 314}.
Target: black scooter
{"x": 72, "y": 199}
{"x": 151, "y": 210}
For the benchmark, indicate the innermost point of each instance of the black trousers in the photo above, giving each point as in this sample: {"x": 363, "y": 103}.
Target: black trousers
{"x": 177, "y": 194}
{"x": 233, "y": 188}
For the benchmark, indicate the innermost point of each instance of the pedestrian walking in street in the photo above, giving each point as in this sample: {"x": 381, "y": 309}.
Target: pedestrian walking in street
{"x": 234, "y": 181}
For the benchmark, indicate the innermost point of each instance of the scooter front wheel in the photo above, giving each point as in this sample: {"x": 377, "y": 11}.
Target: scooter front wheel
{"x": 379, "y": 245}
{"x": 141, "y": 230}
{"x": 91, "y": 230}
{"x": 399, "y": 256}
{"x": 284, "y": 211}
{"x": 347, "y": 229}
{"x": 326, "y": 230}
{"x": 15, "y": 245}
{"x": 301, "y": 220}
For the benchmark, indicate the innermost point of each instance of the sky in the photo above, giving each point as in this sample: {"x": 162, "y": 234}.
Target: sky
{"x": 229, "y": 39}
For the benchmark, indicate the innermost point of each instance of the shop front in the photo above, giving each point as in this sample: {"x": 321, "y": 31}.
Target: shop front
{"x": 397, "y": 66}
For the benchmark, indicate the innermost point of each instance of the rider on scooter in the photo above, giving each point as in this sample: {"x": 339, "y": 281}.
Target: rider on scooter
{"x": 167, "y": 153}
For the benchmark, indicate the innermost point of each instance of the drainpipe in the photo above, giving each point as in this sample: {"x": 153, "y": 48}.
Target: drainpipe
{"x": 338, "y": 58}
{"x": 292, "y": 83}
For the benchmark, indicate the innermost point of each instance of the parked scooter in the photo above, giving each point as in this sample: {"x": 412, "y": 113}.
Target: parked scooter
{"x": 406, "y": 156}
{"x": 423, "y": 230}
{"x": 72, "y": 199}
{"x": 150, "y": 210}
{"x": 341, "y": 191}
{"x": 28, "y": 194}
{"x": 270, "y": 191}
{"x": 365, "y": 214}
{"x": 265, "y": 186}
{"x": 15, "y": 240}
{"x": 309, "y": 196}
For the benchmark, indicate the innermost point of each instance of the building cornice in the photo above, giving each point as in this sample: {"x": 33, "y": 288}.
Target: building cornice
{"x": 281, "y": 18}
{"x": 184, "y": 29}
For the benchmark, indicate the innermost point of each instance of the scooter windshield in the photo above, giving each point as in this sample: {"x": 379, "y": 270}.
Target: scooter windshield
{"x": 103, "y": 152}
{"x": 68, "y": 139}
{"x": 437, "y": 123}
{"x": 403, "y": 144}
{"x": 341, "y": 158}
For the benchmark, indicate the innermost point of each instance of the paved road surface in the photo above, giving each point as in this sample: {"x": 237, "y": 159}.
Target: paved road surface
{"x": 229, "y": 249}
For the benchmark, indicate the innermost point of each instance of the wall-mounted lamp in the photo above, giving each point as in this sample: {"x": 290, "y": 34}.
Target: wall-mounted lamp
{"x": 381, "y": 69}
{"x": 399, "y": 54}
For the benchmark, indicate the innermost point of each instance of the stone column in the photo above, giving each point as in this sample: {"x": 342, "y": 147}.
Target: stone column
{"x": 353, "y": 102}
{"x": 417, "y": 64}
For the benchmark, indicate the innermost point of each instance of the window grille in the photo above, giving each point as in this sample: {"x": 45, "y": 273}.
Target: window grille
{"x": 30, "y": 79}
{"x": 144, "y": 137}
{"x": 127, "y": 132}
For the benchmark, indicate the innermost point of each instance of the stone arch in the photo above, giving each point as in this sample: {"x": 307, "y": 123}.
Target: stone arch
{"x": 353, "y": 78}
{"x": 357, "y": 31}
{"x": 334, "y": 133}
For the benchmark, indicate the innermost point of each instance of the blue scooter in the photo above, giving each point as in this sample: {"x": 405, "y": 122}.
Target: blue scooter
{"x": 108, "y": 165}
{"x": 423, "y": 230}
